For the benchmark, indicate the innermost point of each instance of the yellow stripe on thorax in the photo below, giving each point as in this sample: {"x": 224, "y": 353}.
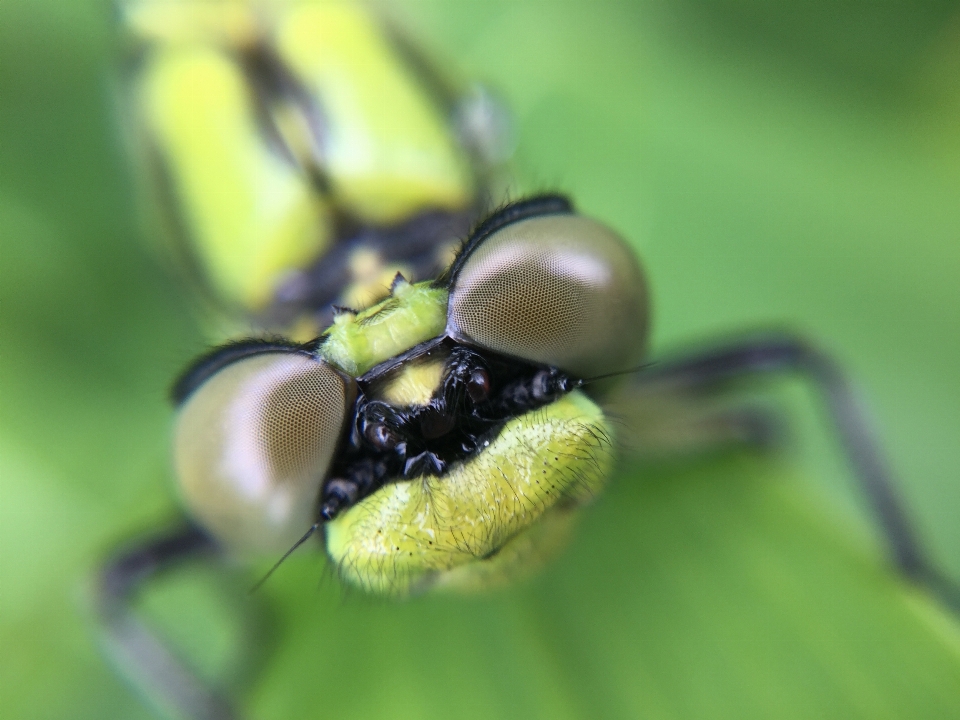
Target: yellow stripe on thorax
{"x": 388, "y": 149}
{"x": 251, "y": 215}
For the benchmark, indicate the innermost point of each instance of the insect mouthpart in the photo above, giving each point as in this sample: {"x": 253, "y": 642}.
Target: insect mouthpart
{"x": 466, "y": 397}
{"x": 503, "y": 508}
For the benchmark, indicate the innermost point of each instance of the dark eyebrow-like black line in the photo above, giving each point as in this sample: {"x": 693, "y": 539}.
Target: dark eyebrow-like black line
{"x": 215, "y": 359}
{"x": 537, "y": 206}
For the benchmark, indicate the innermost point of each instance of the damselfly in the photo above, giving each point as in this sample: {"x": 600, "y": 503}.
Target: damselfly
{"x": 452, "y": 410}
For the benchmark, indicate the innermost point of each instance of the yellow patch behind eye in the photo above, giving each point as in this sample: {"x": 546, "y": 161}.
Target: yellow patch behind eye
{"x": 414, "y": 384}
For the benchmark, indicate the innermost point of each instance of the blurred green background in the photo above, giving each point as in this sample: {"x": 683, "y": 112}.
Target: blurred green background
{"x": 785, "y": 163}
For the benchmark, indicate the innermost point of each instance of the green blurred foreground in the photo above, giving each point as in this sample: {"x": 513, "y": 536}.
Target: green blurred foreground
{"x": 772, "y": 163}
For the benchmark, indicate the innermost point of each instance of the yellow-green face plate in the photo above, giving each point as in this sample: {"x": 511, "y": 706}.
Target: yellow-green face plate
{"x": 489, "y": 517}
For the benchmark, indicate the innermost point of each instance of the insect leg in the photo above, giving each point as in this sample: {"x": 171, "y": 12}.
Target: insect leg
{"x": 139, "y": 653}
{"x": 657, "y": 422}
{"x": 773, "y": 353}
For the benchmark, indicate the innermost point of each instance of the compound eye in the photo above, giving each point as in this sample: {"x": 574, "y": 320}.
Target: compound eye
{"x": 561, "y": 290}
{"x": 253, "y": 444}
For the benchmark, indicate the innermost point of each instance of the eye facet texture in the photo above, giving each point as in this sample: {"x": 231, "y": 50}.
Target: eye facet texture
{"x": 253, "y": 444}
{"x": 561, "y": 290}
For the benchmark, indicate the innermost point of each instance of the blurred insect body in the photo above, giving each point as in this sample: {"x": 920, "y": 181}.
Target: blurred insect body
{"x": 297, "y": 147}
{"x": 446, "y": 432}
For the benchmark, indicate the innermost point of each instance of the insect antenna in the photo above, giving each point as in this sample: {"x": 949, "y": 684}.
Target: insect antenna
{"x": 298, "y": 543}
{"x": 618, "y": 373}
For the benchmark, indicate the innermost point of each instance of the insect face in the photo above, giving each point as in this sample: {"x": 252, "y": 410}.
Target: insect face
{"x": 436, "y": 429}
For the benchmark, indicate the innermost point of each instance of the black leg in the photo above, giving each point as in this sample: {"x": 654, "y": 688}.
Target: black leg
{"x": 658, "y": 422}
{"x": 784, "y": 353}
{"x": 140, "y": 654}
